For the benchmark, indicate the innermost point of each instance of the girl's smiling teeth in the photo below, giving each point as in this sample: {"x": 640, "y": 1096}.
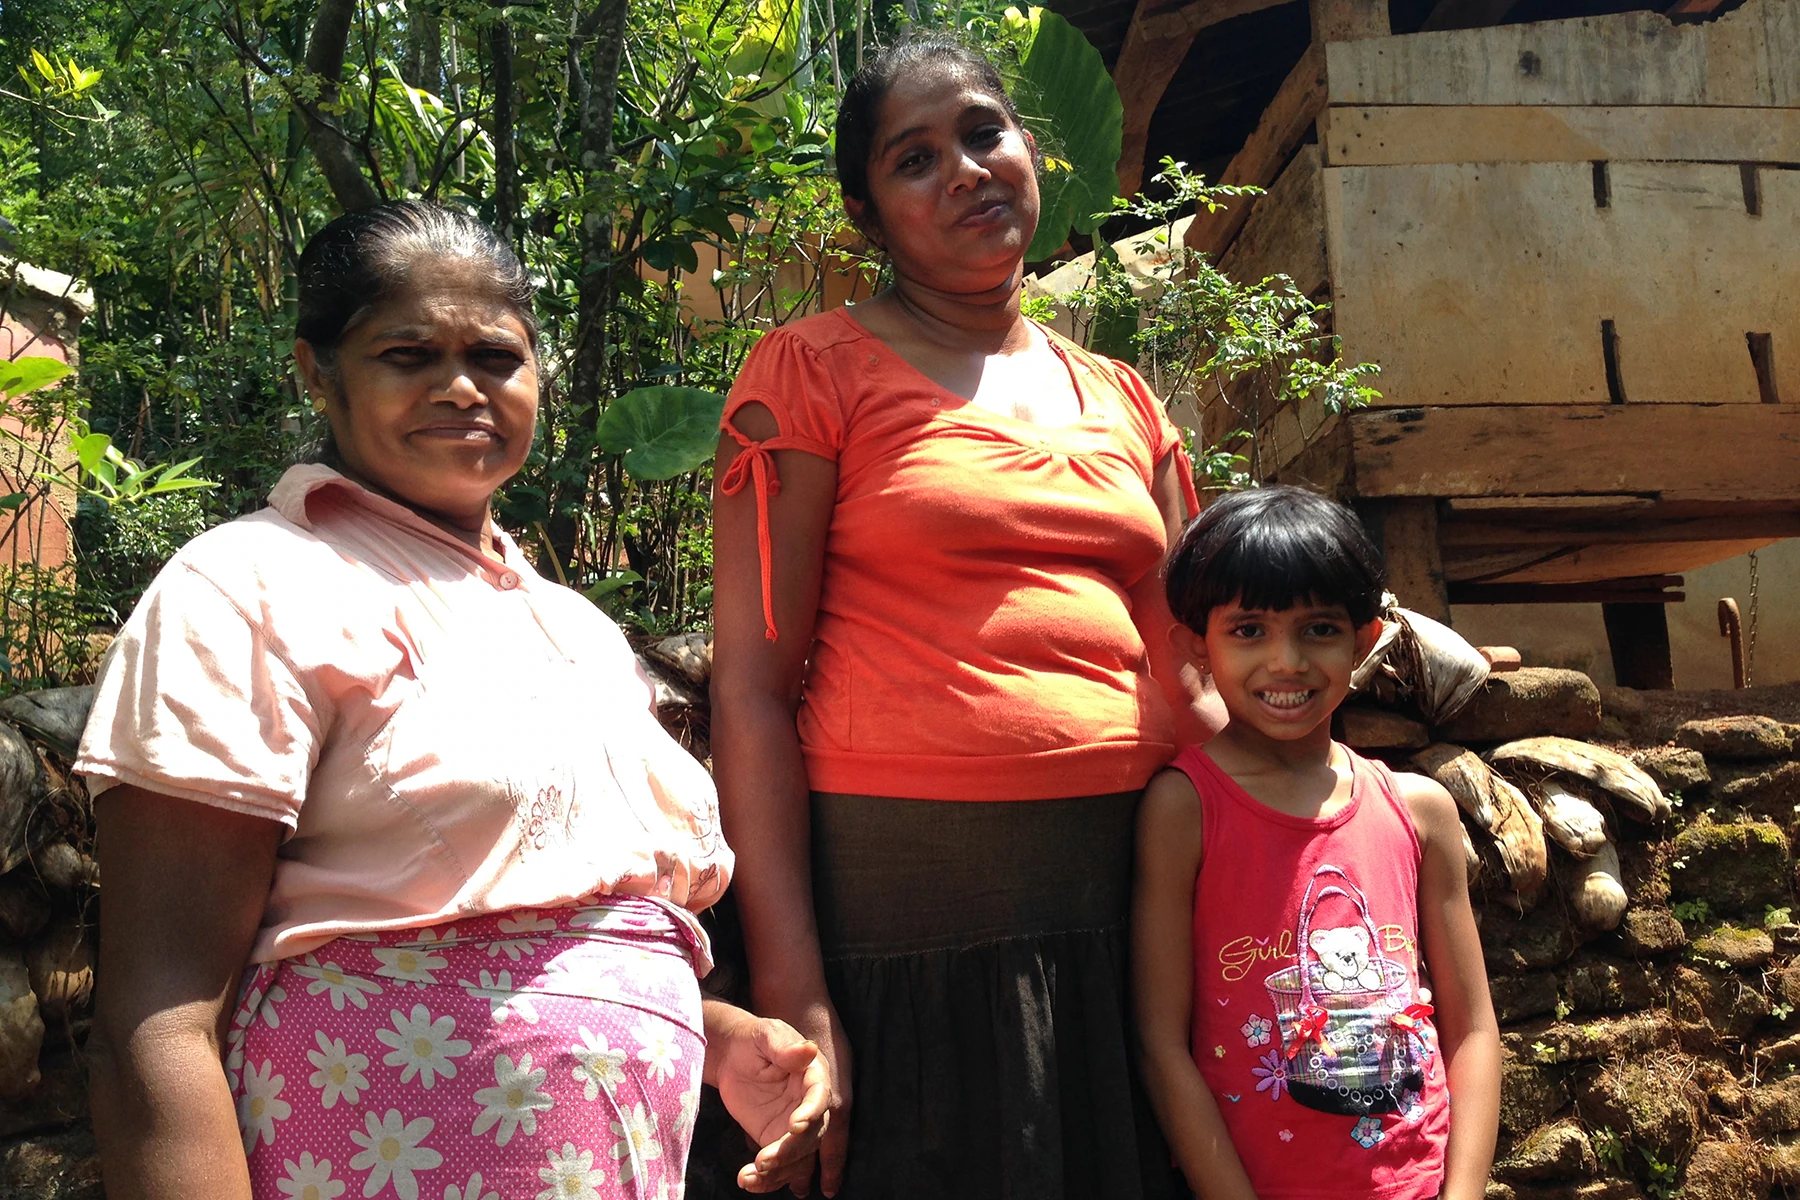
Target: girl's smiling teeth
{"x": 1285, "y": 698}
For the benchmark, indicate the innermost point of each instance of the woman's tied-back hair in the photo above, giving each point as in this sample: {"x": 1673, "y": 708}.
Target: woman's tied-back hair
{"x": 365, "y": 257}
{"x": 860, "y": 109}
{"x": 1272, "y": 548}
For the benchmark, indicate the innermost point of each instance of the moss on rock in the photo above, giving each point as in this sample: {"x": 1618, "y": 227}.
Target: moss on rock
{"x": 1609, "y": 985}
{"x": 1647, "y": 932}
{"x": 1733, "y": 947}
{"x": 1736, "y": 868}
{"x": 1556, "y": 1151}
{"x": 1714, "y": 1001}
{"x": 1651, "y": 1102}
{"x": 1529, "y": 1095}
{"x": 1725, "y": 1171}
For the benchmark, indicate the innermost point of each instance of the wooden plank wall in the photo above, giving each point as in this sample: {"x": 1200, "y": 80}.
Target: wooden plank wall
{"x": 1593, "y": 211}
{"x": 1745, "y": 58}
{"x": 1498, "y": 283}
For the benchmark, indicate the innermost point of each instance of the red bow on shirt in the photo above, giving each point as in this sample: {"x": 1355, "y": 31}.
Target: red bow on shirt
{"x": 1311, "y": 1028}
{"x": 1412, "y": 1016}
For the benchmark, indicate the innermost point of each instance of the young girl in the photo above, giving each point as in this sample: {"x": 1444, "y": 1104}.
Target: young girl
{"x": 1309, "y": 984}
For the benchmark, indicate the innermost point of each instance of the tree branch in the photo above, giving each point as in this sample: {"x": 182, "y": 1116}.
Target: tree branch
{"x": 337, "y": 154}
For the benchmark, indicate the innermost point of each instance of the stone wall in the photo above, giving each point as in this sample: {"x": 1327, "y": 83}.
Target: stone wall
{"x": 1660, "y": 1055}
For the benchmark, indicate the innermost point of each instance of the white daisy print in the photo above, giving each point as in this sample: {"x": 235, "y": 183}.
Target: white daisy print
{"x": 408, "y": 965}
{"x": 340, "y": 1073}
{"x": 329, "y": 977}
{"x": 601, "y": 1065}
{"x": 422, "y": 1046}
{"x": 658, "y": 1050}
{"x": 637, "y": 1142}
{"x": 310, "y": 1180}
{"x": 234, "y": 1048}
{"x": 514, "y": 1101}
{"x": 470, "y": 1190}
{"x": 503, "y": 1000}
{"x": 393, "y": 1150}
{"x": 266, "y": 1010}
{"x": 261, "y": 1105}
{"x": 685, "y": 1117}
{"x": 571, "y": 1175}
{"x": 525, "y": 925}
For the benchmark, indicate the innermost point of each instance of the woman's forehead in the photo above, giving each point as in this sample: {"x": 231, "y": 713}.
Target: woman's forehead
{"x": 938, "y": 90}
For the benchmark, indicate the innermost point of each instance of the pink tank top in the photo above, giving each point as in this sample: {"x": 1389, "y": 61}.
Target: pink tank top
{"x": 1309, "y": 1026}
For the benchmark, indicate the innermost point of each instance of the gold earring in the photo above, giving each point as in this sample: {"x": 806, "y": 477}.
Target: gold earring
{"x": 318, "y": 403}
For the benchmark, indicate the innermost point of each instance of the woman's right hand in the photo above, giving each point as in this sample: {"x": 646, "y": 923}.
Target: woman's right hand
{"x": 818, "y": 1023}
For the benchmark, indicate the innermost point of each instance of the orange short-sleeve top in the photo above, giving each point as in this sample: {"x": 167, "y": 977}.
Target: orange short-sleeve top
{"x": 975, "y": 636}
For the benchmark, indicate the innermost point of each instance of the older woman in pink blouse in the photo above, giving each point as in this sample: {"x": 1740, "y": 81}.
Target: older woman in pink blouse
{"x": 355, "y": 742}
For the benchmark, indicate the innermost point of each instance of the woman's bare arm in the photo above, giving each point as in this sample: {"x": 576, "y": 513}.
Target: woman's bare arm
{"x": 1198, "y": 711}
{"x": 1162, "y": 977}
{"x": 185, "y": 889}
{"x": 761, "y": 776}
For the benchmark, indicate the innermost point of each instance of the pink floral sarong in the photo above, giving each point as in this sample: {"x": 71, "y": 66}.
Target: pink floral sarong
{"x": 547, "y": 1055}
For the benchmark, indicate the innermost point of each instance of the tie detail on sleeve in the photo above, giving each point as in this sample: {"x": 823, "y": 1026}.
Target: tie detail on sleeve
{"x": 756, "y": 465}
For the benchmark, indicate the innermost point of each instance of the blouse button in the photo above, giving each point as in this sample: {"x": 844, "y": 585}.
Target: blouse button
{"x": 509, "y": 581}
{"x": 934, "y": 402}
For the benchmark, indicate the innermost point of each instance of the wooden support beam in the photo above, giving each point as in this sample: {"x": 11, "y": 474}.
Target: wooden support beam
{"x": 1466, "y": 14}
{"x": 1349, "y": 20}
{"x": 1645, "y": 590}
{"x": 1298, "y": 102}
{"x": 1156, "y": 43}
{"x": 1406, "y": 531}
{"x": 1718, "y": 453}
{"x": 1638, "y": 635}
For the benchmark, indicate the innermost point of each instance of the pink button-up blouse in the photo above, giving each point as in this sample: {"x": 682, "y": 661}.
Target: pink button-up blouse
{"x": 444, "y": 733}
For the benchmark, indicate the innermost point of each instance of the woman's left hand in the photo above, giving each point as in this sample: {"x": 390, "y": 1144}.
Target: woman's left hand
{"x": 777, "y": 1086}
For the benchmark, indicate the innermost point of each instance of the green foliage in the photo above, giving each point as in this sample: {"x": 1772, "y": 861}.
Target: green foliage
{"x": 1071, "y": 106}
{"x": 1690, "y": 910}
{"x": 662, "y": 432}
{"x": 1255, "y": 347}
{"x": 1609, "y": 1148}
{"x": 1660, "y": 1177}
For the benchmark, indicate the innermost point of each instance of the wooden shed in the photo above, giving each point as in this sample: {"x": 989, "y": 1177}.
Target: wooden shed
{"x": 1573, "y": 247}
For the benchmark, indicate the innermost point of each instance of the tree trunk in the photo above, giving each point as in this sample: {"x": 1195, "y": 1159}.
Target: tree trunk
{"x": 506, "y": 167}
{"x": 337, "y": 154}
{"x": 604, "y": 26}
{"x": 424, "y": 47}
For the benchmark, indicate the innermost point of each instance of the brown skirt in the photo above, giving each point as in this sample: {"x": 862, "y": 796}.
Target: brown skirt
{"x": 977, "y": 955}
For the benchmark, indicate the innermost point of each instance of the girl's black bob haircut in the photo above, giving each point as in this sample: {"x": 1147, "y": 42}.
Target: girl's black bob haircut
{"x": 1273, "y": 548}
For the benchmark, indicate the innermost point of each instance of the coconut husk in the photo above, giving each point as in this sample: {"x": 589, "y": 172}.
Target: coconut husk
{"x": 1471, "y": 857}
{"x": 61, "y": 966}
{"x": 1433, "y": 664}
{"x": 688, "y": 655}
{"x": 1570, "y": 819}
{"x": 1620, "y": 778}
{"x": 1498, "y": 808}
{"x": 1597, "y": 893}
{"x": 22, "y": 789}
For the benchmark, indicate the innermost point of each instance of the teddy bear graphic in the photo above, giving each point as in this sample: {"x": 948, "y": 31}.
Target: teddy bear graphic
{"x": 1344, "y": 954}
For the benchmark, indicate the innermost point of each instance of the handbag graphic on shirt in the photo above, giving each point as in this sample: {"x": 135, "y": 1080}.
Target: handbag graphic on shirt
{"x": 1353, "y": 1038}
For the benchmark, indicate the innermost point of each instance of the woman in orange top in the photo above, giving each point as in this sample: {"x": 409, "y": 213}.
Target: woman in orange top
{"x": 937, "y": 610}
